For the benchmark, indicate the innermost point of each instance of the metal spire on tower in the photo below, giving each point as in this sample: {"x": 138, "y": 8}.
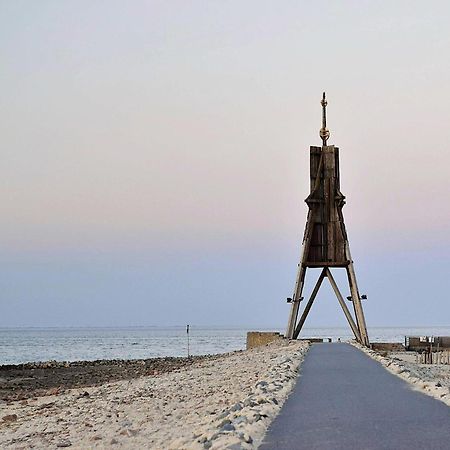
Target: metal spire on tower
{"x": 324, "y": 132}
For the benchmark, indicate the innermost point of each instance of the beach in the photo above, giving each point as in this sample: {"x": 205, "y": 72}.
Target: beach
{"x": 24, "y": 381}
{"x": 222, "y": 401}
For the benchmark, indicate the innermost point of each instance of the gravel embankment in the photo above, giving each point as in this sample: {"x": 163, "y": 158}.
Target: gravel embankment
{"x": 222, "y": 402}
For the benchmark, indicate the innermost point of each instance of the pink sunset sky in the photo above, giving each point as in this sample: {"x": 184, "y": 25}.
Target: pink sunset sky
{"x": 155, "y": 158}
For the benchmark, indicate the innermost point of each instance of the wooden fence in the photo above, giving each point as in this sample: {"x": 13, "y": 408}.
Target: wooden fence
{"x": 437, "y": 357}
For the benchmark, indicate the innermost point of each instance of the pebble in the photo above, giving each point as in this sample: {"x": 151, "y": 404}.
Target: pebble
{"x": 227, "y": 427}
{"x": 239, "y": 420}
{"x": 9, "y": 418}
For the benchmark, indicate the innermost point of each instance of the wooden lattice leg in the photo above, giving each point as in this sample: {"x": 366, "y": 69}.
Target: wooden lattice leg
{"x": 356, "y": 299}
{"x": 341, "y": 300}
{"x": 309, "y": 304}
{"x": 296, "y": 299}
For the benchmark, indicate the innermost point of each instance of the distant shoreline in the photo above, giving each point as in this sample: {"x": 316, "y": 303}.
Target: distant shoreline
{"x": 21, "y": 346}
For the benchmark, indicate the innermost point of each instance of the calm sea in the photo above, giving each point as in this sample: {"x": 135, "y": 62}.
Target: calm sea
{"x": 18, "y": 345}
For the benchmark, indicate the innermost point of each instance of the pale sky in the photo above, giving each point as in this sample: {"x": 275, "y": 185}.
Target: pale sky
{"x": 155, "y": 158}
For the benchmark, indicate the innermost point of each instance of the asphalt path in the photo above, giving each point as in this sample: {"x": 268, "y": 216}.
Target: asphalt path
{"x": 343, "y": 399}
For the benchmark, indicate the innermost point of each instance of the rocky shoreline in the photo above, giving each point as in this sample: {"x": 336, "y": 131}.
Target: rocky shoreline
{"x": 24, "y": 381}
{"x": 220, "y": 402}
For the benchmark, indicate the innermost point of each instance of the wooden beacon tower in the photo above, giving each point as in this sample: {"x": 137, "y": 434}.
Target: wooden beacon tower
{"x": 325, "y": 243}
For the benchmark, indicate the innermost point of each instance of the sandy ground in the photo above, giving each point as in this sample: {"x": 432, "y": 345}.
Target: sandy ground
{"x": 223, "y": 402}
{"x": 431, "y": 379}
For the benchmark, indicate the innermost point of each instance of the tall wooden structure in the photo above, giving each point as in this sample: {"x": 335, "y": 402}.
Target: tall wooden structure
{"x": 325, "y": 243}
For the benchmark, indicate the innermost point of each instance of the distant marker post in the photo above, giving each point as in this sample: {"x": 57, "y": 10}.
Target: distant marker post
{"x": 187, "y": 332}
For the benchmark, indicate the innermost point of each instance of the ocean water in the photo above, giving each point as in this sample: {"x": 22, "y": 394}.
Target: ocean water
{"x": 19, "y": 345}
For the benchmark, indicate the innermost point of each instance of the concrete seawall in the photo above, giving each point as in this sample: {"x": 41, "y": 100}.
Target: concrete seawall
{"x": 260, "y": 338}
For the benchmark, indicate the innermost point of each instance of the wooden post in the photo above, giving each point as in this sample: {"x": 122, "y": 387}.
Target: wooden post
{"x": 309, "y": 304}
{"x": 356, "y": 299}
{"x": 187, "y": 332}
{"x": 343, "y": 305}
{"x": 296, "y": 299}
{"x": 300, "y": 280}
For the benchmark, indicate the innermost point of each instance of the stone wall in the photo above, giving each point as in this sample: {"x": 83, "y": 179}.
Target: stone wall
{"x": 259, "y": 338}
{"x": 388, "y": 346}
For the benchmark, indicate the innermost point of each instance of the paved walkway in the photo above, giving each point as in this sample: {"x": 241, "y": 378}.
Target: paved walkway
{"x": 345, "y": 400}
